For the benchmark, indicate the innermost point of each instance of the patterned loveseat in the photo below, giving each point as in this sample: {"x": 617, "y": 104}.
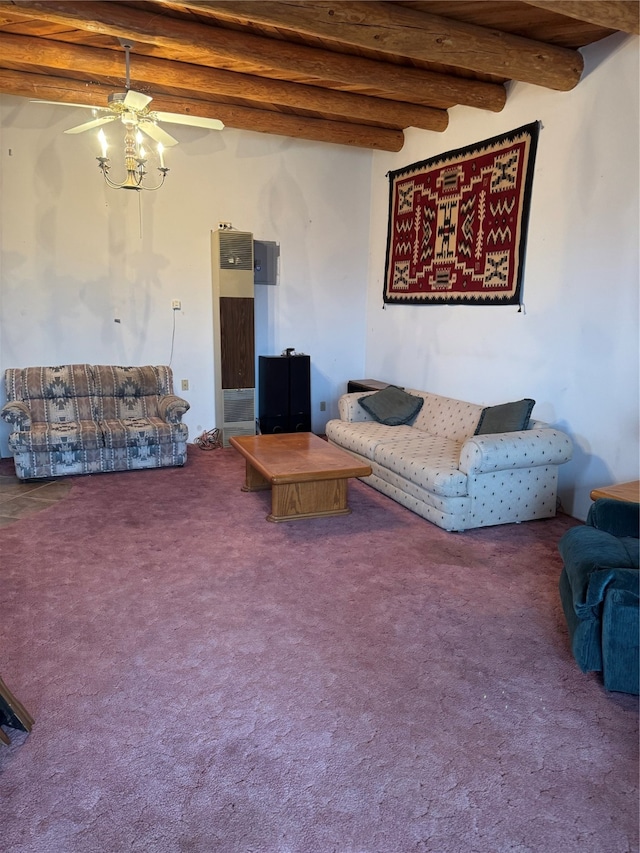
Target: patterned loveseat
{"x": 437, "y": 466}
{"x": 84, "y": 419}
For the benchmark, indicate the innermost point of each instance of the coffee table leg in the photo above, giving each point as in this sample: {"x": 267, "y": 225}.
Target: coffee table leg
{"x": 12, "y": 713}
{"x": 290, "y": 501}
{"x": 253, "y": 480}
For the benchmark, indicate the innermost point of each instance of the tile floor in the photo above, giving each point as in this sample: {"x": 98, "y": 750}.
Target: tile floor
{"x": 19, "y": 499}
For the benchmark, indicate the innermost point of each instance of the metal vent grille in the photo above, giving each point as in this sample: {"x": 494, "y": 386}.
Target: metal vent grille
{"x": 235, "y": 429}
{"x": 239, "y": 405}
{"x": 236, "y": 250}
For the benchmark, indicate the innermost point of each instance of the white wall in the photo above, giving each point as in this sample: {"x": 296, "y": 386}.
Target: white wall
{"x": 75, "y": 255}
{"x": 575, "y": 347}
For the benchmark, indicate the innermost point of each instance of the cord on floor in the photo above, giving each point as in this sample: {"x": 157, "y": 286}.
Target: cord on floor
{"x": 209, "y": 440}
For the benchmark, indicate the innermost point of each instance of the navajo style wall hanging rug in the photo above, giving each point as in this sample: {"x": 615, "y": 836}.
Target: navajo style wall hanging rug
{"x": 458, "y": 224}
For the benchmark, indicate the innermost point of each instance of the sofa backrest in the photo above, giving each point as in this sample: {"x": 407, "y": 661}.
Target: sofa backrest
{"x": 54, "y": 395}
{"x": 445, "y": 417}
{"x": 130, "y": 392}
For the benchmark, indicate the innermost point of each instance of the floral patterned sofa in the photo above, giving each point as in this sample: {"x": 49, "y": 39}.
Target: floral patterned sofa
{"x": 433, "y": 462}
{"x": 85, "y": 419}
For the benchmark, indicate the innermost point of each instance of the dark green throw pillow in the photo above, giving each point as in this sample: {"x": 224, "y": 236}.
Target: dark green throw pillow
{"x": 391, "y": 405}
{"x": 507, "y": 417}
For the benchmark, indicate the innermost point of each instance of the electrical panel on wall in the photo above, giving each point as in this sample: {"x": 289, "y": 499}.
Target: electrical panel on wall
{"x": 233, "y": 329}
{"x": 265, "y": 261}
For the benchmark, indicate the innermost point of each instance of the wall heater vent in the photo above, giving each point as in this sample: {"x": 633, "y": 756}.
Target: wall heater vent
{"x": 239, "y": 405}
{"x": 233, "y": 332}
{"x": 236, "y": 250}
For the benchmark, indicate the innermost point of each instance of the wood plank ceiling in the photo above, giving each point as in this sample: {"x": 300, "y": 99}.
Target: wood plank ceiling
{"x": 352, "y": 73}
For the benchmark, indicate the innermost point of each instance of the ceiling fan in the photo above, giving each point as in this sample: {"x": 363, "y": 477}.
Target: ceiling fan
{"x": 132, "y": 108}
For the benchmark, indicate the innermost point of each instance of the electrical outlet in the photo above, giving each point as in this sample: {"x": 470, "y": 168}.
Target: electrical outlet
{"x": 323, "y": 406}
{"x": 176, "y": 304}
{"x": 225, "y": 226}
{"x": 185, "y": 384}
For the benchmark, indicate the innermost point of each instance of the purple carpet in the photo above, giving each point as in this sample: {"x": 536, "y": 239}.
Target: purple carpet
{"x": 203, "y": 681}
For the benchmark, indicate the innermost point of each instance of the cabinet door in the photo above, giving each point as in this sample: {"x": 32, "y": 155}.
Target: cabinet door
{"x": 237, "y": 342}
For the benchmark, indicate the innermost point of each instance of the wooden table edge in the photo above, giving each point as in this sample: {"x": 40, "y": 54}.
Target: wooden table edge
{"x": 346, "y": 473}
{"x": 621, "y": 492}
{"x": 316, "y": 476}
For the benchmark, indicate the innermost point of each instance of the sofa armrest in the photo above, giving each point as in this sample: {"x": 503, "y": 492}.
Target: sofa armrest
{"x": 527, "y": 448}
{"x": 588, "y": 555}
{"x": 17, "y": 414}
{"x": 171, "y": 408}
{"x": 600, "y": 584}
{"x": 620, "y": 631}
{"x": 351, "y": 410}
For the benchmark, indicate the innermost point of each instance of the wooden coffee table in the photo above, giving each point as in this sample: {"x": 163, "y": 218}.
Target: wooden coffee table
{"x": 620, "y": 492}
{"x": 307, "y": 476}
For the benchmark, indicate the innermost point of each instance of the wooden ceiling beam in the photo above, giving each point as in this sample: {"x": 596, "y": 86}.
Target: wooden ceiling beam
{"x": 42, "y": 87}
{"x": 230, "y": 50}
{"x": 393, "y": 29}
{"x": 99, "y": 63}
{"x": 623, "y": 15}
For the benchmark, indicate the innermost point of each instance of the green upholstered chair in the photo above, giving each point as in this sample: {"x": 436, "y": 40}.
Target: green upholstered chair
{"x": 600, "y": 593}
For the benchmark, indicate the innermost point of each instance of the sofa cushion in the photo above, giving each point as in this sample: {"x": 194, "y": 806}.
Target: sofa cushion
{"x": 363, "y": 437}
{"x": 429, "y": 461}
{"x": 391, "y": 406}
{"x": 507, "y": 417}
{"x": 447, "y": 417}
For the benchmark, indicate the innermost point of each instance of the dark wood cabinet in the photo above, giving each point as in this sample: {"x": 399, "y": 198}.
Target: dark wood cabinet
{"x": 365, "y": 385}
{"x": 237, "y": 347}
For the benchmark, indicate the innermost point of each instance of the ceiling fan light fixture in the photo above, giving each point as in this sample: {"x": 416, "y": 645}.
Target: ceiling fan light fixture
{"x": 134, "y": 161}
{"x": 132, "y": 108}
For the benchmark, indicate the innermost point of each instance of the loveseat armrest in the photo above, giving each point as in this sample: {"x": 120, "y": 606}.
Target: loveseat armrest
{"x": 17, "y": 414}
{"x": 350, "y": 409}
{"x": 504, "y": 451}
{"x": 171, "y": 408}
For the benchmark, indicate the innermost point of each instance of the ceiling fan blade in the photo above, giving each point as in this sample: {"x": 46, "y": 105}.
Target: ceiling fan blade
{"x": 65, "y": 104}
{"x": 193, "y": 121}
{"x": 89, "y": 125}
{"x": 136, "y": 100}
{"x": 157, "y": 133}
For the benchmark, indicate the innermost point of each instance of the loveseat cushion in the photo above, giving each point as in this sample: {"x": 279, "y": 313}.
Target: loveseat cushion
{"x": 126, "y": 392}
{"x": 392, "y": 406}
{"x": 44, "y": 437}
{"x": 60, "y": 394}
{"x": 141, "y": 432}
